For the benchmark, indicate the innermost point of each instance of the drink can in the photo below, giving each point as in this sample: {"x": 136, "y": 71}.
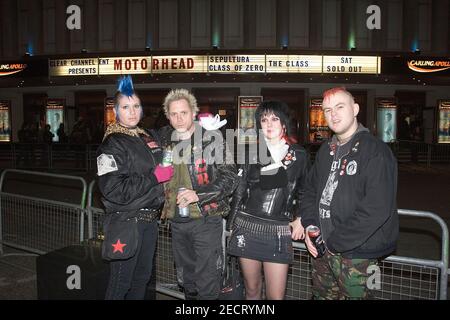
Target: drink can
{"x": 167, "y": 158}
{"x": 313, "y": 232}
{"x": 183, "y": 212}
{"x": 316, "y": 239}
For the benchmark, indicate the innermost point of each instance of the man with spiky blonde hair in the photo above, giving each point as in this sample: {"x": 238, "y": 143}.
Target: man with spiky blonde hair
{"x": 180, "y": 94}
{"x": 202, "y": 186}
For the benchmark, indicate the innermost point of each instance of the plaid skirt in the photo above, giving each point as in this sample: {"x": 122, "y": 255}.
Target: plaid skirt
{"x": 261, "y": 239}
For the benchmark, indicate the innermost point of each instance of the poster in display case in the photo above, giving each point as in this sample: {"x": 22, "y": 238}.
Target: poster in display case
{"x": 444, "y": 121}
{"x": 109, "y": 112}
{"x": 5, "y": 121}
{"x": 247, "y": 105}
{"x": 318, "y": 128}
{"x": 54, "y": 115}
{"x": 386, "y": 119}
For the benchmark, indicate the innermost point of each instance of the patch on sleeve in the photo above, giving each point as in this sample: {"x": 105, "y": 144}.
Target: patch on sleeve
{"x": 106, "y": 164}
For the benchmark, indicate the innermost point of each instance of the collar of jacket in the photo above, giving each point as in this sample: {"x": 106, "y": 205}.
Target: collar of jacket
{"x": 117, "y": 128}
{"x": 354, "y": 140}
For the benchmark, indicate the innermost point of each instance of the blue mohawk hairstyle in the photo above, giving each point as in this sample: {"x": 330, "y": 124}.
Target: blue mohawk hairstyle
{"x": 125, "y": 86}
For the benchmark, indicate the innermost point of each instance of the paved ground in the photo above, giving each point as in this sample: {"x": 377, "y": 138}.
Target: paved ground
{"x": 428, "y": 190}
{"x": 419, "y": 189}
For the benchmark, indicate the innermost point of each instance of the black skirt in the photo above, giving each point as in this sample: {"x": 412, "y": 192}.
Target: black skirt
{"x": 261, "y": 239}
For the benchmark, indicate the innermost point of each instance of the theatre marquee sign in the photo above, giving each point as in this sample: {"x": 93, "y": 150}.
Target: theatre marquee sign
{"x": 428, "y": 65}
{"x": 7, "y": 69}
{"x": 218, "y": 64}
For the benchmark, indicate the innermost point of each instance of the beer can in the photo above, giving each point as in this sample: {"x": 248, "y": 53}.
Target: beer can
{"x": 316, "y": 239}
{"x": 313, "y": 232}
{"x": 167, "y": 158}
{"x": 183, "y": 212}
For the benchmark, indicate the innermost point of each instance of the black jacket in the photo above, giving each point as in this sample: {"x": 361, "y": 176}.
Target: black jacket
{"x": 213, "y": 181}
{"x": 272, "y": 196}
{"x": 131, "y": 185}
{"x": 363, "y": 208}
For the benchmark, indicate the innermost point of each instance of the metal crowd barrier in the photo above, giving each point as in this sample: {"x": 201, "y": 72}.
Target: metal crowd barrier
{"x": 40, "y": 225}
{"x": 62, "y": 156}
{"x": 420, "y": 152}
{"x": 66, "y": 156}
{"x": 166, "y": 277}
{"x": 402, "y": 278}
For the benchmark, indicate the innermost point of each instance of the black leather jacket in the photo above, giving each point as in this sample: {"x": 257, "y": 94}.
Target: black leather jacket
{"x": 129, "y": 184}
{"x": 213, "y": 180}
{"x": 272, "y": 196}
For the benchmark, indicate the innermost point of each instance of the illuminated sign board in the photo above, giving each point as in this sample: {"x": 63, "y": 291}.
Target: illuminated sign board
{"x": 237, "y": 64}
{"x": 73, "y": 67}
{"x": 118, "y": 65}
{"x": 444, "y": 122}
{"x": 428, "y": 66}
{"x": 5, "y": 121}
{"x": 293, "y": 63}
{"x": 109, "y": 116}
{"x": 55, "y": 115}
{"x": 386, "y": 119}
{"x": 7, "y": 69}
{"x": 318, "y": 128}
{"x": 219, "y": 64}
{"x": 247, "y": 106}
{"x": 178, "y": 64}
{"x": 351, "y": 64}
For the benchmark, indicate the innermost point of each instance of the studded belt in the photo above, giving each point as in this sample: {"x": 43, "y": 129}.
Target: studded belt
{"x": 148, "y": 215}
{"x": 261, "y": 226}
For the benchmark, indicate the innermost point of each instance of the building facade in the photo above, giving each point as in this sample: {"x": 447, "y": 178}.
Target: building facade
{"x": 39, "y": 33}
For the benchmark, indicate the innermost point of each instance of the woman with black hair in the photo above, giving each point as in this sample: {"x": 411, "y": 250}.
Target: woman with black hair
{"x": 264, "y": 218}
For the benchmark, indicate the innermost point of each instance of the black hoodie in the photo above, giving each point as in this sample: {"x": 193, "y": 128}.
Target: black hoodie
{"x": 357, "y": 211}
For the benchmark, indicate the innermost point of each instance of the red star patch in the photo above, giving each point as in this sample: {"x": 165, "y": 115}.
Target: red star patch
{"x": 118, "y": 246}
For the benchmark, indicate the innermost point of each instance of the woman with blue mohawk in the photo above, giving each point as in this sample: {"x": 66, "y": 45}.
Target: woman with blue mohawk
{"x": 130, "y": 179}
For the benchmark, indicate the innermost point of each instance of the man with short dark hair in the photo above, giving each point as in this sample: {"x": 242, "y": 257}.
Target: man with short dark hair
{"x": 350, "y": 194}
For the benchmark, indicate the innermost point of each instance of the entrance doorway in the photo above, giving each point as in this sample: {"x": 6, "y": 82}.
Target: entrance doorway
{"x": 152, "y": 102}
{"x": 222, "y": 101}
{"x": 361, "y": 100}
{"x": 89, "y": 107}
{"x": 411, "y": 105}
{"x": 34, "y": 112}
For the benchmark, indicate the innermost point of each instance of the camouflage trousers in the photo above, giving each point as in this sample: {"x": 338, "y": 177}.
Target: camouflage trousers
{"x": 338, "y": 278}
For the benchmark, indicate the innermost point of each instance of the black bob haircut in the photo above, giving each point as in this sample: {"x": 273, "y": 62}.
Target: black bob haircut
{"x": 278, "y": 108}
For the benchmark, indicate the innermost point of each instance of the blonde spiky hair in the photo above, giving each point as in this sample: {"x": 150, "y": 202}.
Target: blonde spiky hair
{"x": 180, "y": 94}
